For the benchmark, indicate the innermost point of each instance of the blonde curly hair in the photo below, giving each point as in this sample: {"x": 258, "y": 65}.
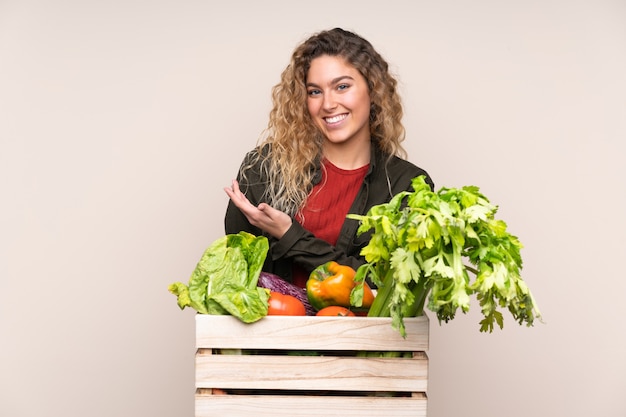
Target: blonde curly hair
{"x": 290, "y": 153}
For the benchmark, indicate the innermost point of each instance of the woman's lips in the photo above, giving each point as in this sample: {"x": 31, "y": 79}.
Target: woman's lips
{"x": 333, "y": 120}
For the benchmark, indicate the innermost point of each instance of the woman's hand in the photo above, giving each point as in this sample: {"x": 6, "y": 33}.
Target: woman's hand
{"x": 263, "y": 216}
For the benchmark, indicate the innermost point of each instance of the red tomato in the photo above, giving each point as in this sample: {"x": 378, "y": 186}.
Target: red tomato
{"x": 285, "y": 305}
{"x": 335, "y": 311}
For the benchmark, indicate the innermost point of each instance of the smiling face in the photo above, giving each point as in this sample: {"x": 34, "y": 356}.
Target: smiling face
{"x": 338, "y": 101}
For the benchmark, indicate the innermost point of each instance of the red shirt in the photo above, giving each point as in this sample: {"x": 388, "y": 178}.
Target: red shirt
{"x": 327, "y": 206}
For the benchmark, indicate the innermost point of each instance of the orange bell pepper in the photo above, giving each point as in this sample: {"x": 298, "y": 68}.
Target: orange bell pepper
{"x": 330, "y": 284}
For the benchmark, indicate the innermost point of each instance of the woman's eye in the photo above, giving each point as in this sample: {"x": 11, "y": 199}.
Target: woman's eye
{"x": 343, "y": 87}
{"x": 313, "y": 92}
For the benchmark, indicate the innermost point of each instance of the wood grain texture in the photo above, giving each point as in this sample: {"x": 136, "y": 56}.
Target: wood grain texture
{"x": 311, "y": 332}
{"x": 304, "y": 406}
{"x": 312, "y": 372}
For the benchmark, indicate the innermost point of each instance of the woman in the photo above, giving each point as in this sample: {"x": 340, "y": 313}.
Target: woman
{"x": 333, "y": 147}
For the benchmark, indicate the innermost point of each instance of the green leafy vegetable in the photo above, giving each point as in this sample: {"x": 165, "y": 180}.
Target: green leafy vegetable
{"x": 225, "y": 279}
{"x": 420, "y": 240}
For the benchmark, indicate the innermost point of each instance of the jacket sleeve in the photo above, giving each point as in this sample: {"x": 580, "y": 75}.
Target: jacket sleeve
{"x": 310, "y": 252}
{"x": 235, "y": 221}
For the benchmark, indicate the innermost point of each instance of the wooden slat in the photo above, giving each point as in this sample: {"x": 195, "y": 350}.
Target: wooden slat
{"x": 310, "y": 332}
{"x": 312, "y": 373}
{"x": 304, "y": 406}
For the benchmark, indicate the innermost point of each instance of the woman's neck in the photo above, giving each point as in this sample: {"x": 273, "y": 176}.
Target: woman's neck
{"x": 347, "y": 155}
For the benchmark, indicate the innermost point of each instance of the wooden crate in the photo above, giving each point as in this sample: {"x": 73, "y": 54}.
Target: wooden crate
{"x": 327, "y": 377}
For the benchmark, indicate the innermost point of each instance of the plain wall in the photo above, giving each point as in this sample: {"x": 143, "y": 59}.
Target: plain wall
{"x": 121, "y": 122}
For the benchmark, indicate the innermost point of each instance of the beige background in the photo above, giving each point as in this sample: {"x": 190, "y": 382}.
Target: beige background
{"x": 121, "y": 121}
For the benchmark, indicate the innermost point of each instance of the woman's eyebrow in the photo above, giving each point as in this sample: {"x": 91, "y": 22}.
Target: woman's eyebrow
{"x": 333, "y": 81}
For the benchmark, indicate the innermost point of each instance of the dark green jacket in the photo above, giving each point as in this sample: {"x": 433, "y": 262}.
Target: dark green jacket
{"x": 383, "y": 180}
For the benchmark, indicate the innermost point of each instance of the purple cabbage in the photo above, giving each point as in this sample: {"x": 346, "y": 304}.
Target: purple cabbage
{"x": 275, "y": 283}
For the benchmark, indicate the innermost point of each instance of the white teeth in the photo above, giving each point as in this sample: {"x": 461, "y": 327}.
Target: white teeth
{"x": 335, "y": 119}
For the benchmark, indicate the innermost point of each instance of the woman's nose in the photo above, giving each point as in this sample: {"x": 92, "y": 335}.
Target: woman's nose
{"x": 329, "y": 102}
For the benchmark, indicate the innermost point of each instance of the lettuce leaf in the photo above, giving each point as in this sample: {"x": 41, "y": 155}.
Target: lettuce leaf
{"x": 225, "y": 279}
